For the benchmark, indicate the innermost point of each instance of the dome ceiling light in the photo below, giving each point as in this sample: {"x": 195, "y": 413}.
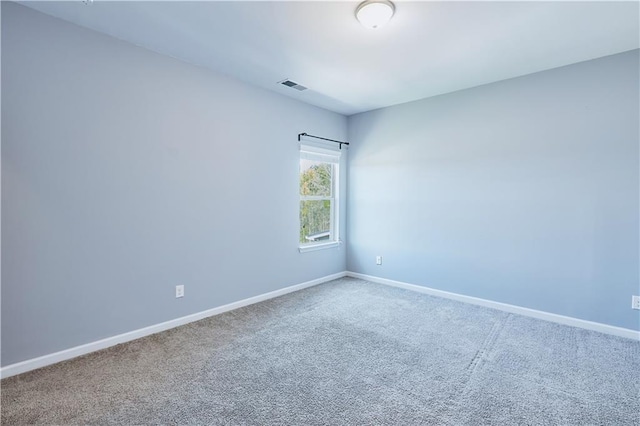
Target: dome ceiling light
{"x": 375, "y": 13}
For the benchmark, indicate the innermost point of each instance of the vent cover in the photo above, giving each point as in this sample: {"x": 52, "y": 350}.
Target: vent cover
{"x": 293, "y": 85}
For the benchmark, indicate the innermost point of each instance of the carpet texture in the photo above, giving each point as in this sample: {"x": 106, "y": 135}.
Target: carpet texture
{"x": 348, "y": 352}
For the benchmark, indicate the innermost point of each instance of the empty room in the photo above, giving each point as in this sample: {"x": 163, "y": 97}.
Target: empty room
{"x": 320, "y": 213}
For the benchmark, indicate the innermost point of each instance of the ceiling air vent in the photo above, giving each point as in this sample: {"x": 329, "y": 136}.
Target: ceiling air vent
{"x": 293, "y": 84}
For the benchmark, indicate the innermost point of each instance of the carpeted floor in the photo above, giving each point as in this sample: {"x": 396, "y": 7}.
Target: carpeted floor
{"x": 348, "y": 352}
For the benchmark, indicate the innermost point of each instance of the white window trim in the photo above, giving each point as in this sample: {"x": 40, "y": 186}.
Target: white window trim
{"x": 319, "y": 246}
{"x": 332, "y": 156}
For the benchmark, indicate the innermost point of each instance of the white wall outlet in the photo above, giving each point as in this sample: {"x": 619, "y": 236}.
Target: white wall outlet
{"x": 635, "y": 302}
{"x": 179, "y": 291}
{"x": 378, "y": 260}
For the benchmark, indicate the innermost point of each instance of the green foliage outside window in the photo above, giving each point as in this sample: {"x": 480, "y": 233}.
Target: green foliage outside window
{"x": 315, "y": 211}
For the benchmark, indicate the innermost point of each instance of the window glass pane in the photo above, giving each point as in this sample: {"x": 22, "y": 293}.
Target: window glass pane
{"x": 315, "y": 178}
{"x": 315, "y": 220}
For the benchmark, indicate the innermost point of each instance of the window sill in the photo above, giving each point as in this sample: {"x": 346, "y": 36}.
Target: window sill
{"x": 314, "y": 247}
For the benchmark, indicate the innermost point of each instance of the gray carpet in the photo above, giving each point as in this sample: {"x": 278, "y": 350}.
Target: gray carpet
{"x": 346, "y": 352}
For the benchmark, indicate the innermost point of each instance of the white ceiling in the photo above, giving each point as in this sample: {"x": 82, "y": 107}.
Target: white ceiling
{"x": 428, "y": 48}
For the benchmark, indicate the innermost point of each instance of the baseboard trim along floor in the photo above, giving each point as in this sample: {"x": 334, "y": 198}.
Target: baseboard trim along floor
{"x": 546, "y": 316}
{"x": 43, "y": 361}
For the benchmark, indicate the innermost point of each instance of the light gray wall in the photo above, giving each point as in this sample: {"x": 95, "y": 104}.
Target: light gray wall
{"x": 125, "y": 173}
{"x": 523, "y": 191}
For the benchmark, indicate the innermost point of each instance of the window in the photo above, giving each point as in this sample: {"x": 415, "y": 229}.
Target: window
{"x": 319, "y": 171}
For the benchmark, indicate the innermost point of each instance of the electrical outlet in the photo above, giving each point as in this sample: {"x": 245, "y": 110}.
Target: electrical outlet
{"x": 635, "y": 302}
{"x": 378, "y": 260}
{"x": 179, "y": 291}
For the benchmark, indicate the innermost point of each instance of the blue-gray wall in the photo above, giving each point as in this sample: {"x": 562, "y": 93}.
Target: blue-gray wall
{"x": 523, "y": 191}
{"x": 125, "y": 173}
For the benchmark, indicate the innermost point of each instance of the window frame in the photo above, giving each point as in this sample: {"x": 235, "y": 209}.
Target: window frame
{"x": 333, "y": 157}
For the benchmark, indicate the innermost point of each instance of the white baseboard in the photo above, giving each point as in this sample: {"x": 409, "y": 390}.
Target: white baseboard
{"x": 43, "y": 361}
{"x": 546, "y": 316}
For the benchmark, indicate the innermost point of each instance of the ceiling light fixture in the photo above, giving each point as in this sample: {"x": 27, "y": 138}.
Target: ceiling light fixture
{"x": 375, "y": 13}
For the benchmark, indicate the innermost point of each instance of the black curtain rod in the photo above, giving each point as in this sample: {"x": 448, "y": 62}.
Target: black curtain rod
{"x": 324, "y": 139}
